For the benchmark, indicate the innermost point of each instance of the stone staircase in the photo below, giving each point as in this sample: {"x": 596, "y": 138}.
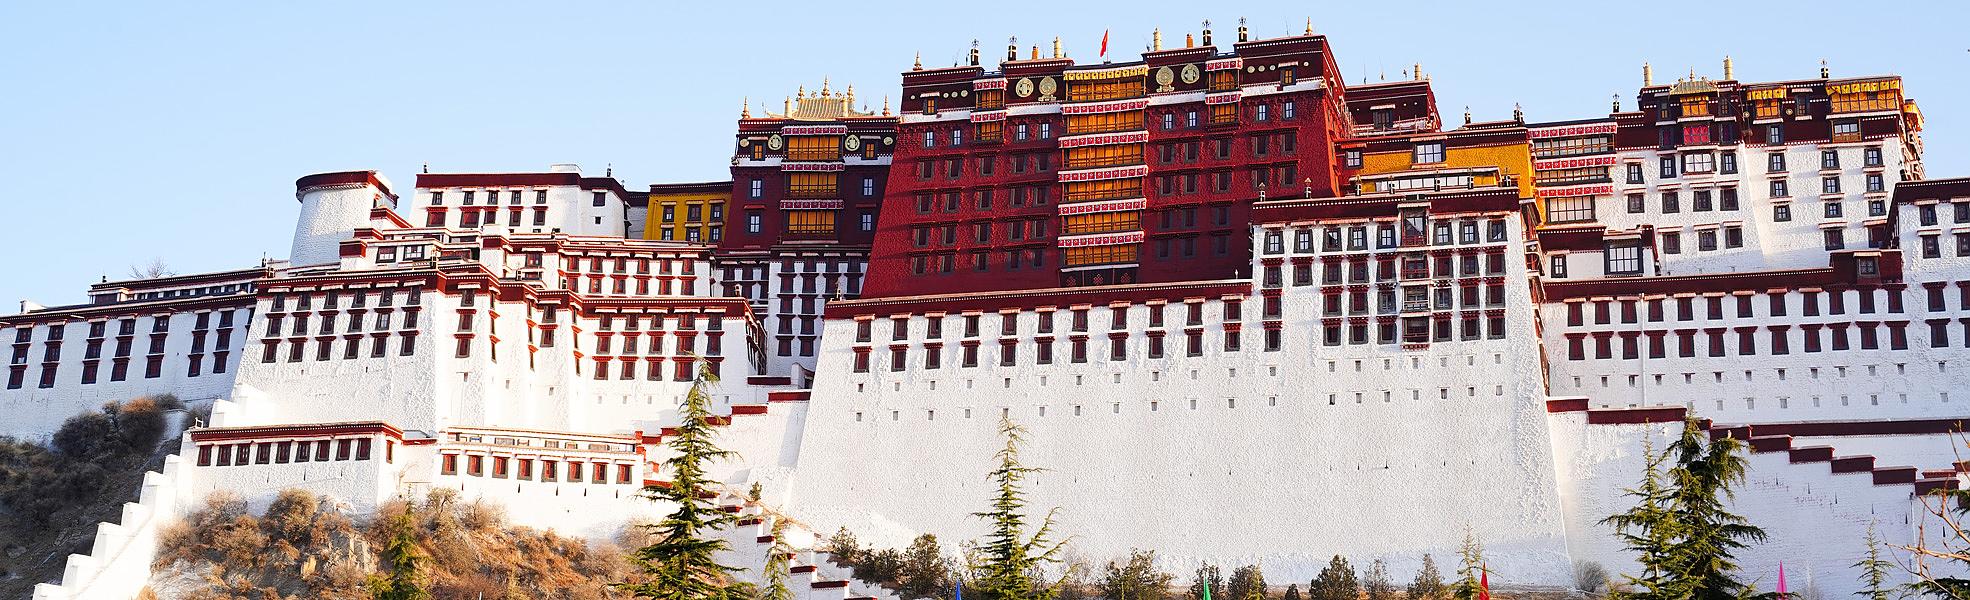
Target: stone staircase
{"x": 811, "y": 573}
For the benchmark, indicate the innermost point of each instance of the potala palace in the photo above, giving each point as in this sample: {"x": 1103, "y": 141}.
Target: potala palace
{"x": 1251, "y": 313}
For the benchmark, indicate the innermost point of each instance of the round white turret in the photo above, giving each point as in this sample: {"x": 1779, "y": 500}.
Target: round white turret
{"x": 333, "y": 206}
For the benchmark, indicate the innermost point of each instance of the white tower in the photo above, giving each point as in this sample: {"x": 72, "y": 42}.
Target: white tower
{"x": 334, "y": 205}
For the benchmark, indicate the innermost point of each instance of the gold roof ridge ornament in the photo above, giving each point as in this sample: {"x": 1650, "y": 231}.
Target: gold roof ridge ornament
{"x": 1648, "y": 75}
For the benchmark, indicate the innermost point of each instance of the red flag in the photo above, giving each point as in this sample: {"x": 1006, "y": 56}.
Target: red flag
{"x": 1104, "y": 43}
{"x": 1484, "y": 583}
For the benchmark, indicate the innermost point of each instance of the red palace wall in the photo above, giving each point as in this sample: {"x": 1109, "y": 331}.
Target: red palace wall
{"x": 1211, "y": 222}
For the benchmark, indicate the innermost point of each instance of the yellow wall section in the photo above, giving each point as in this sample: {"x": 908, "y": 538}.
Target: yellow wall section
{"x": 1513, "y": 159}
{"x": 654, "y": 224}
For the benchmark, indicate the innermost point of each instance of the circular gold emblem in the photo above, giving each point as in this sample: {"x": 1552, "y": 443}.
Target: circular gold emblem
{"x": 852, "y": 143}
{"x": 774, "y": 142}
{"x": 1024, "y": 88}
{"x": 1165, "y": 76}
{"x": 1048, "y": 87}
{"x": 1190, "y": 74}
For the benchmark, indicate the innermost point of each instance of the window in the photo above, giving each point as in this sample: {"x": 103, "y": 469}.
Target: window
{"x": 1672, "y": 242}
{"x": 1667, "y": 166}
{"x": 1352, "y": 159}
{"x": 1834, "y": 239}
{"x": 1699, "y": 162}
{"x": 1780, "y": 189}
{"x": 1701, "y": 202}
{"x": 1671, "y": 203}
{"x": 1774, "y": 135}
{"x": 1429, "y": 153}
{"x": 1830, "y": 185}
{"x": 1775, "y": 162}
{"x": 1733, "y": 236}
{"x": 1634, "y": 172}
{"x": 1624, "y": 259}
{"x": 1635, "y": 204}
{"x": 1727, "y": 163}
{"x": 1875, "y": 183}
{"x": 1558, "y": 270}
{"x": 1706, "y": 240}
{"x": 1570, "y": 209}
{"x": 1833, "y": 209}
{"x": 758, "y": 188}
{"x": 1727, "y": 199}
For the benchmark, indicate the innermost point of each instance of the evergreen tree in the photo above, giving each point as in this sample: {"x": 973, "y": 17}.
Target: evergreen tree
{"x": 682, "y": 563}
{"x": 1336, "y": 582}
{"x": 1428, "y": 584}
{"x": 1702, "y": 478}
{"x": 1470, "y": 568}
{"x": 1208, "y": 577}
{"x": 1247, "y": 583}
{"x": 1011, "y": 561}
{"x": 779, "y": 560}
{"x": 1137, "y": 579}
{"x": 1650, "y": 530}
{"x": 406, "y": 560}
{"x": 1874, "y": 571}
{"x": 1293, "y": 592}
{"x": 1376, "y": 581}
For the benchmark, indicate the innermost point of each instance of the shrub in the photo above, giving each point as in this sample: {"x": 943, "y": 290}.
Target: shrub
{"x": 82, "y": 435}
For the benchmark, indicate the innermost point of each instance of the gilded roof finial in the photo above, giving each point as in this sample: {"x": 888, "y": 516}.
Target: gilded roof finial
{"x": 1207, "y": 32}
{"x": 802, "y": 94}
{"x": 851, "y": 94}
{"x": 1156, "y": 39}
{"x": 1648, "y": 75}
{"x": 1418, "y": 72}
{"x": 1729, "y": 73}
{"x": 1189, "y": 40}
{"x": 1036, "y": 52}
{"x": 885, "y": 105}
{"x": 1518, "y": 113}
{"x": 919, "y": 65}
{"x": 788, "y": 111}
{"x": 1056, "y": 46}
{"x": 1309, "y": 25}
{"x": 1012, "y": 48}
{"x": 1823, "y": 72}
{"x": 974, "y": 52}
{"x": 745, "y": 108}
{"x": 1243, "y": 34}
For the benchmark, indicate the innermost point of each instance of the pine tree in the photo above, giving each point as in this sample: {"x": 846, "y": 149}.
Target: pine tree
{"x": 1650, "y": 530}
{"x": 1874, "y": 570}
{"x": 779, "y": 559}
{"x": 1702, "y": 478}
{"x": 406, "y": 560}
{"x": 1376, "y": 581}
{"x": 1208, "y": 577}
{"x": 1336, "y": 582}
{"x": 1470, "y": 568}
{"x": 682, "y": 563}
{"x": 1428, "y": 584}
{"x": 1293, "y": 592}
{"x": 1136, "y": 579}
{"x": 1010, "y": 559}
{"x": 1247, "y": 583}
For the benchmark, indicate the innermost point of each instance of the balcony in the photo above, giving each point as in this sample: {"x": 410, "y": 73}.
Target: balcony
{"x": 813, "y": 192}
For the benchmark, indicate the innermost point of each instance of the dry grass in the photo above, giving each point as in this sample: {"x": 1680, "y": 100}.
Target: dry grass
{"x": 304, "y": 548}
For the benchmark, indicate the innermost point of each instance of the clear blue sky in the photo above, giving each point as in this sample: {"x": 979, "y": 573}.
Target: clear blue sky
{"x": 176, "y": 130}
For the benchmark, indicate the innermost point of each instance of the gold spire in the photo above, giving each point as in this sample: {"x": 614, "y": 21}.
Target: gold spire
{"x": 1036, "y": 52}
{"x": 788, "y": 111}
{"x": 1309, "y": 25}
{"x": 1189, "y": 41}
{"x": 824, "y": 86}
{"x": 885, "y": 105}
{"x": 851, "y": 94}
{"x": 745, "y": 108}
{"x": 1056, "y": 46}
{"x": 802, "y": 94}
{"x": 919, "y": 65}
{"x": 1729, "y": 73}
{"x": 1156, "y": 39}
{"x": 1648, "y": 75}
{"x": 1418, "y": 72}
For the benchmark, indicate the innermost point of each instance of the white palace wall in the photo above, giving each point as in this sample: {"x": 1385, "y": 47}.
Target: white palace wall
{"x": 1280, "y": 459}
